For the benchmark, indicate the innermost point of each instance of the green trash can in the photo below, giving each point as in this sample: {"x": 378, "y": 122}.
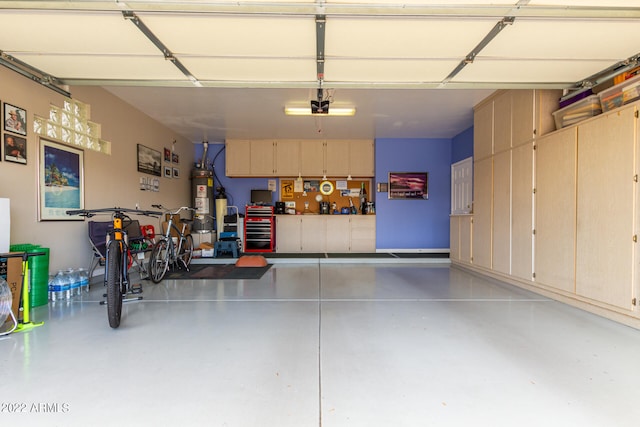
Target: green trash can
{"x": 38, "y": 273}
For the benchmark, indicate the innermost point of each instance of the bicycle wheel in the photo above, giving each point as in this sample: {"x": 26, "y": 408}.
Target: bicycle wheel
{"x": 159, "y": 261}
{"x": 186, "y": 251}
{"x": 114, "y": 291}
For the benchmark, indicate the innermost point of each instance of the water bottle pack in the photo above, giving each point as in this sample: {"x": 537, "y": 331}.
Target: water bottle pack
{"x": 68, "y": 283}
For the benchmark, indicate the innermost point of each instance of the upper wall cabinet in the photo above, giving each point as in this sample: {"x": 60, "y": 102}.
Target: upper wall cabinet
{"x": 483, "y": 130}
{"x": 511, "y": 118}
{"x": 309, "y": 158}
{"x": 238, "y": 158}
{"x": 353, "y": 157}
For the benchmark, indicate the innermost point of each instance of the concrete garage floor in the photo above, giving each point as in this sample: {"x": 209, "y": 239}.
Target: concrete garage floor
{"x": 332, "y": 345}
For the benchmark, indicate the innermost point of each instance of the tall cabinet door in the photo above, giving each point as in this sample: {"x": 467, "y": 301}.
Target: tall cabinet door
{"x": 556, "y": 157}
{"x": 606, "y": 199}
{"x": 482, "y": 212}
{"x": 522, "y": 211}
{"x": 502, "y": 212}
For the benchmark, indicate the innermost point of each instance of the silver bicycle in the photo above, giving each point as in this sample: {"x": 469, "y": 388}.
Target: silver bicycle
{"x": 174, "y": 249}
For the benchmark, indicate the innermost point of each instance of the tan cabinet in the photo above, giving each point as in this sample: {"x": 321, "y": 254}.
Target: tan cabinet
{"x": 501, "y": 224}
{"x": 460, "y": 240}
{"x": 263, "y": 158}
{"x": 337, "y": 158}
{"x": 363, "y": 233}
{"x": 338, "y": 233}
{"x": 325, "y": 233}
{"x": 354, "y": 157}
{"x": 523, "y": 107}
{"x": 555, "y": 212}
{"x": 502, "y": 119}
{"x": 312, "y": 154}
{"x": 309, "y": 158}
{"x": 606, "y": 202}
{"x": 483, "y": 130}
{"x": 250, "y": 158}
{"x": 287, "y": 157}
{"x": 482, "y": 212}
{"x": 466, "y": 234}
{"x": 238, "y": 158}
{"x": 288, "y": 233}
{"x": 314, "y": 234}
{"x": 361, "y": 158}
{"x": 522, "y": 211}
{"x": 510, "y": 118}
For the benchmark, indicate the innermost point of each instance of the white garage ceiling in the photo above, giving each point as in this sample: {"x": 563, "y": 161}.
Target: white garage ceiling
{"x": 213, "y": 70}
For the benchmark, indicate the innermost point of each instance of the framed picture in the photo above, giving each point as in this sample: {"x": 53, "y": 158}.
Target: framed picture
{"x": 409, "y": 185}
{"x": 176, "y": 173}
{"x": 61, "y": 181}
{"x": 175, "y": 158}
{"x": 15, "y": 119}
{"x": 15, "y": 149}
{"x": 167, "y": 155}
{"x": 167, "y": 172}
{"x": 149, "y": 160}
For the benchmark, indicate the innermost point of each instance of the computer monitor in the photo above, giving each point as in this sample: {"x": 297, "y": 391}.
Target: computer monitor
{"x": 261, "y": 197}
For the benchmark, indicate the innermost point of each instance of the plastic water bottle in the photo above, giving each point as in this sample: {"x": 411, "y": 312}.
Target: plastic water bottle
{"x": 56, "y": 287}
{"x": 74, "y": 282}
{"x": 66, "y": 285}
{"x": 84, "y": 279}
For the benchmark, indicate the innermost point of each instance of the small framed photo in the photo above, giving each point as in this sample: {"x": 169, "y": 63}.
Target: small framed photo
{"x": 15, "y": 149}
{"x": 15, "y": 119}
{"x": 167, "y": 155}
{"x": 176, "y": 173}
{"x": 149, "y": 160}
{"x": 167, "y": 172}
{"x": 175, "y": 158}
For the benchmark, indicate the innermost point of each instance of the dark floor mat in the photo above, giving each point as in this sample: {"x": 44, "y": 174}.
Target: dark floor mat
{"x": 218, "y": 272}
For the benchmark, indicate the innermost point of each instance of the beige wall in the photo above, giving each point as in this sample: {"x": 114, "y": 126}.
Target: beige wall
{"x": 110, "y": 180}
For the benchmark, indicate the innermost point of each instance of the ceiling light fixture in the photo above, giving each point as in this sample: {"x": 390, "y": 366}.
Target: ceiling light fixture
{"x": 306, "y": 111}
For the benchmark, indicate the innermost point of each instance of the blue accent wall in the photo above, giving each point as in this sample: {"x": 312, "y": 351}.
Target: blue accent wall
{"x": 462, "y": 146}
{"x": 238, "y": 190}
{"x": 414, "y": 224}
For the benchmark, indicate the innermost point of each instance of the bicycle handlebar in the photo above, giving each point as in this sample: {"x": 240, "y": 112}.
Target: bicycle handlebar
{"x": 182, "y": 208}
{"x": 88, "y": 213}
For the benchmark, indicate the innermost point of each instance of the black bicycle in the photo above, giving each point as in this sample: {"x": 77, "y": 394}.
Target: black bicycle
{"x": 116, "y": 276}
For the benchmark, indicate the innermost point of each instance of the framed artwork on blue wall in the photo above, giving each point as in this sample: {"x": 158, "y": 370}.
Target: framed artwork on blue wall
{"x": 409, "y": 185}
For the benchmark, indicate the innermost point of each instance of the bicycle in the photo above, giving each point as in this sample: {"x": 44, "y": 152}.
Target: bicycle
{"x": 116, "y": 276}
{"x": 168, "y": 252}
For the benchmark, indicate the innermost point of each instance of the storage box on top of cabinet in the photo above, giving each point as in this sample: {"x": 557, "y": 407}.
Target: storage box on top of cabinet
{"x": 577, "y": 111}
{"x": 620, "y": 94}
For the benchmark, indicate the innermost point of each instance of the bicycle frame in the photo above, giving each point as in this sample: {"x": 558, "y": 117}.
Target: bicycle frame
{"x": 166, "y": 253}
{"x": 174, "y": 251}
{"x": 116, "y": 277}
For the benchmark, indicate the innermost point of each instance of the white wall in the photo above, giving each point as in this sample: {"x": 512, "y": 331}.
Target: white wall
{"x": 110, "y": 180}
